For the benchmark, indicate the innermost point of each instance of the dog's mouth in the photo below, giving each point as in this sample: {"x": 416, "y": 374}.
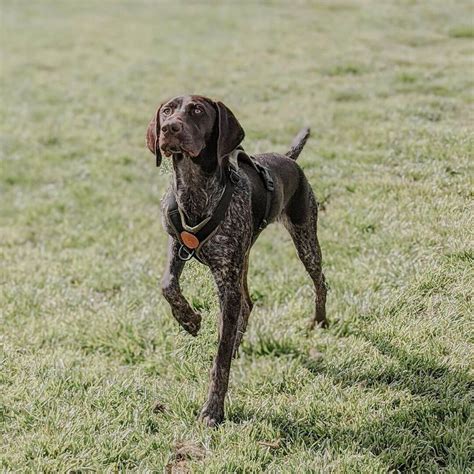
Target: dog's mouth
{"x": 170, "y": 149}
{"x": 174, "y": 148}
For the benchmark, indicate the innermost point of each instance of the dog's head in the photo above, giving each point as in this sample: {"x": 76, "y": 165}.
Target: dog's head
{"x": 190, "y": 125}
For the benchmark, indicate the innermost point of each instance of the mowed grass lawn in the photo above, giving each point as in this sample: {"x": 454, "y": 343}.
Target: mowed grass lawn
{"x": 96, "y": 375}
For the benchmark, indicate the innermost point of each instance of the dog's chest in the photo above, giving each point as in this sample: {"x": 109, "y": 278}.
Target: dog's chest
{"x": 232, "y": 235}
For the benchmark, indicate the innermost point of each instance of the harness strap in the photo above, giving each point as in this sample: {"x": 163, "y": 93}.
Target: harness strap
{"x": 270, "y": 187}
{"x": 266, "y": 177}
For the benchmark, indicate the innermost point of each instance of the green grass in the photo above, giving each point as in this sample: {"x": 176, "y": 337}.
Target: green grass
{"x": 96, "y": 374}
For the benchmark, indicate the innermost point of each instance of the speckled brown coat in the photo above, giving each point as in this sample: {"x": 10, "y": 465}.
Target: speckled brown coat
{"x": 200, "y": 136}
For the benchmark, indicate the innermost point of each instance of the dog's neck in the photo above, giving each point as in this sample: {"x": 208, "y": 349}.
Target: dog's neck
{"x": 196, "y": 189}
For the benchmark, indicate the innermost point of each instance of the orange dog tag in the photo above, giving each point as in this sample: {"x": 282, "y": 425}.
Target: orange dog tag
{"x": 190, "y": 240}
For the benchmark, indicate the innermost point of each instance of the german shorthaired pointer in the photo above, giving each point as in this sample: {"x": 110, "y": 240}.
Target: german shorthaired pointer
{"x": 203, "y": 138}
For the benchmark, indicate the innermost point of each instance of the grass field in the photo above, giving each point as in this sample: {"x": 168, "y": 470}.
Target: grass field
{"x": 96, "y": 374}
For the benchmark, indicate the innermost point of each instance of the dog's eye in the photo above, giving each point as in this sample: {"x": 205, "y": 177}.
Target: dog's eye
{"x": 166, "y": 111}
{"x": 197, "y": 110}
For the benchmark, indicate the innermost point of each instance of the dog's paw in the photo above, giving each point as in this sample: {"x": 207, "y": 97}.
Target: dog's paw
{"x": 190, "y": 322}
{"x": 193, "y": 325}
{"x": 211, "y": 417}
{"x": 314, "y": 323}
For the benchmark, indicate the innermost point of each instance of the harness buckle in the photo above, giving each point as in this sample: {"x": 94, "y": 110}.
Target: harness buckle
{"x": 188, "y": 256}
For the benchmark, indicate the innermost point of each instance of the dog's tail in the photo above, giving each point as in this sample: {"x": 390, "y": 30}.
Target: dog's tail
{"x": 298, "y": 143}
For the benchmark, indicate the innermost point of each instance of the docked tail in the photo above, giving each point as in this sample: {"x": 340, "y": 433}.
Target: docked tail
{"x": 298, "y": 143}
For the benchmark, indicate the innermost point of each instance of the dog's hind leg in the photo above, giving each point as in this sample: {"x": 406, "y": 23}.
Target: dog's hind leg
{"x": 245, "y": 309}
{"x": 301, "y": 222}
{"x": 182, "y": 311}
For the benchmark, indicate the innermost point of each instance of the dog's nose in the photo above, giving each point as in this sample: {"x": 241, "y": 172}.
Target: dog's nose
{"x": 172, "y": 127}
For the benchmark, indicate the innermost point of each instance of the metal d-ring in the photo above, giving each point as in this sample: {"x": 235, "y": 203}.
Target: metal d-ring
{"x": 189, "y": 254}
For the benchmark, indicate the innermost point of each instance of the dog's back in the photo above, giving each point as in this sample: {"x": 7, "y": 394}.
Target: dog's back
{"x": 290, "y": 182}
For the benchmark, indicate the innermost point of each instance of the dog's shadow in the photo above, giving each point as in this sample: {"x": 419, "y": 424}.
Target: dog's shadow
{"x": 406, "y": 434}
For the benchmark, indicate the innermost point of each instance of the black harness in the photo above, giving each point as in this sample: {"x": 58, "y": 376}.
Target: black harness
{"x": 193, "y": 238}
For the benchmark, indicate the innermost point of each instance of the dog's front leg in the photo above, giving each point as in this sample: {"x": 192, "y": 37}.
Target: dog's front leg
{"x": 230, "y": 299}
{"x": 182, "y": 311}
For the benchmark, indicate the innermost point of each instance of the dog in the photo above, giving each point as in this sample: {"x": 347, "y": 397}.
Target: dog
{"x": 203, "y": 139}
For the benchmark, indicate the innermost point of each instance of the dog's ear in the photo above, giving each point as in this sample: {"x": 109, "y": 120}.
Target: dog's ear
{"x": 153, "y": 136}
{"x": 229, "y": 132}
